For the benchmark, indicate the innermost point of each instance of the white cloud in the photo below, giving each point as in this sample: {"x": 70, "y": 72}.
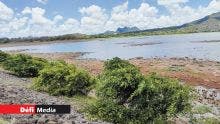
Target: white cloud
{"x": 120, "y": 8}
{"x": 5, "y": 13}
{"x": 57, "y": 18}
{"x": 183, "y": 14}
{"x": 95, "y": 19}
{"x": 214, "y": 6}
{"x": 71, "y": 25}
{"x": 171, "y": 2}
{"x": 37, "y": 15}
{"x": 42, "y": 1}
{"x": 141, "y": 17}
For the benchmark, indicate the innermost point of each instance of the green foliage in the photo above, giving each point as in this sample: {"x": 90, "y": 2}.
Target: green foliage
{"x": 3, "y": 56}
{"x": 117, "y": 63}
{"x": 24, "y": 65}
{"x": 119, "y": 84}
{"x": 107, "y": 110}
{"x": 209, "y": 120}
{"x": 176, "y": 68}
{"x": 160, "y": 97}
{"x": 201, "y": 109}
{"x": 125, "y": 96}
{"x": 59, "y": 78}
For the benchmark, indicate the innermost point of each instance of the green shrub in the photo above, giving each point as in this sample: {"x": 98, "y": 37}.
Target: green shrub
{"x": 119, "y": 84}
{"x": 24, "y": 65}
{"x": 109, "y": 111}
{"x": 59, "y": 78}
{"x": 117, "y": 63}
{"x": 160, "y": 97}
{"x": 125, "y": 96}
{"x": 3, "y": 56}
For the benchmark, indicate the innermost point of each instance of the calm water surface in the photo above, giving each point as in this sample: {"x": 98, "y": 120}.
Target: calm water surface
{"x": 181, "y": 45}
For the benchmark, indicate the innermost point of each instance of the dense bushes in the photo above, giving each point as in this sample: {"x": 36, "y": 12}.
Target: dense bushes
{"x": 125, "y": 96}
{"x": 159, "y": 97}
{"x": 56, "y": 78}
{"x": 3, "y": 56}
{"x": 119, "y": 81}
{"x": 23, "y": 65}
{"x": 59, "y": 78}
{"x": 117, "y": 63}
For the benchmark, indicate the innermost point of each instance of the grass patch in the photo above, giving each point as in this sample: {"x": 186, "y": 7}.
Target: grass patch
{"x": 3, "y": 121}
{"x": 176, "y": 68}
{"x": 202, "y": 109}
{"x": 206, "y": 121}
{"x": 81, "y": 102}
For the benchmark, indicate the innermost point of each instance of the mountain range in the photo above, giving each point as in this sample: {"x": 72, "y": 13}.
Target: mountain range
{"x": 127, "y": 29}
{"x": 210, "y": 23}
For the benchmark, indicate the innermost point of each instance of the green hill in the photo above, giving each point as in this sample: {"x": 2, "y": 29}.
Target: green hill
{"x": 209, "y": 23}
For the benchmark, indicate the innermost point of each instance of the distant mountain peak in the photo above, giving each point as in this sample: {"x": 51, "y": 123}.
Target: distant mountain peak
{"x": 127, "y": 29}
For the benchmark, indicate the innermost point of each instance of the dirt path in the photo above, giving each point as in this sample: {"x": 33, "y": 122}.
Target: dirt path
{"x": 13, "y": 90}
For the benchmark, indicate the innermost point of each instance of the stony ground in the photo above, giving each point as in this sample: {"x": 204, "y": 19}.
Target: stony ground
{"x": 190, "y": 70}
{"x": 14, "y": 90}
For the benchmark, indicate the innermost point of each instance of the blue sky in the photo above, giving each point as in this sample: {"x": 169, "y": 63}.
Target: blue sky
{"x": 69, "y": 8}
{"x": 56, "y": 17}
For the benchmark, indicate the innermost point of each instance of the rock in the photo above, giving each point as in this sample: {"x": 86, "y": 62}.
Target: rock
{"x": 51, "y": 122}
{"x": 69, "y": 122}
{"x": 42, "y": 120}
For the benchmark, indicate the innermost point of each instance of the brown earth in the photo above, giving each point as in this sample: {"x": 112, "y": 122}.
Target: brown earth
{"x": 192, "y": 71}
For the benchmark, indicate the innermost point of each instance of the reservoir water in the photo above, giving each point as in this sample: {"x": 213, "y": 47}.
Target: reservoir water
{"x": 197, "y": 45}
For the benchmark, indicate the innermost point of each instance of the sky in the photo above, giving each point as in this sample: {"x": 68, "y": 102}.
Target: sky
{"x": 23, "y": 18}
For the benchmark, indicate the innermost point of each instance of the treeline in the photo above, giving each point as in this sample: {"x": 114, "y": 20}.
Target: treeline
{"x": 124, "y": 95}
{"x": 45, "y": 38}
{"x": 160, "y": 31}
